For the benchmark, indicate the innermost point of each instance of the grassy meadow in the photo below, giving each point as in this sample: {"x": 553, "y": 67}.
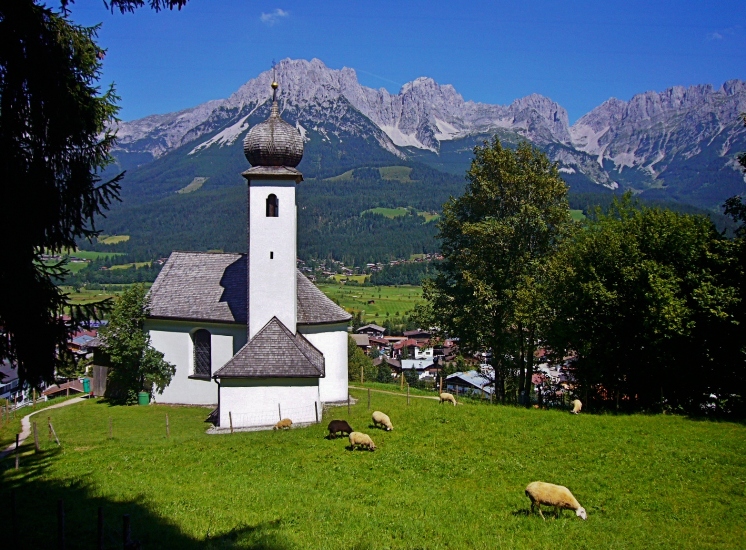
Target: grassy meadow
{"x": 446, "y": 477}
{"x": 392, "y": 300}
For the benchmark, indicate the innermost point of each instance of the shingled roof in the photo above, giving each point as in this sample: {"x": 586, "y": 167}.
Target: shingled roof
{"x": 200, "y": 286}
{"x": 275, "y": 352}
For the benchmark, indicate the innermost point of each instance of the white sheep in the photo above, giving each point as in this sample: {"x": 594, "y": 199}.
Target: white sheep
{"x": 285, "y": 423}
{"x": 383, "y": 420}
{"x": 447, "y": 397}
{"x": 553, "y": 495}
{"x": 362, "y": 440}
{"x": 576, "y": 406}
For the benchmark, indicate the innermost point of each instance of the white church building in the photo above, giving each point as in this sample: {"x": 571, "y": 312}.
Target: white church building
{"x": 249, "y": 332}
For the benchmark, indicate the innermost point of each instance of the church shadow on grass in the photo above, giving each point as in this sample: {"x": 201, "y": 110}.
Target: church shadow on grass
{"x": 35, "y": 520}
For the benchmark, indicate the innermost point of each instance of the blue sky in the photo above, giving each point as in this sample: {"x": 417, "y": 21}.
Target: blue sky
{"x": 576, "y": 53}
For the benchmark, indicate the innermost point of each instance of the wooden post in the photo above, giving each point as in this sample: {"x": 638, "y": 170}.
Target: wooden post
{"x": 54, "y": 433}
{"x": 68, "y": 390}
{"x": 60, "y": 525}
{"x": 348, "y": 404}
{"x": 316, "y": 408}
{"x": 49, "y": 425}
{"x": 17, "y": 451}
{"x": 401, "y": 380}
{"x": 279, "y": 411}
{"x": 361, "y": 375}
{"x": 441, "y": 384}
{"x": 34, "y": 394}
{"x": 230, "y": 419}
{"x": 111, "y": 430}
{"x": 36, "y": 439}
{"x": 168, "y": 428}
{"x": 100, "y": 529}
{"x": 368, "y": 398}
{"x": 125, "y": 530}
{"x": 407, "y": 394}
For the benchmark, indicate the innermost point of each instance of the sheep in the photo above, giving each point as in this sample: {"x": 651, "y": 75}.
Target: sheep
{"x": 576, "y": 406}
{"x": 383, "y": 420}
{"x": 447, "y": 397}
{"x": 553, "y": 495}
{"x": 339, "y": 426}
{"x": 285, "y": 423}
{"x": 362, "y": 440}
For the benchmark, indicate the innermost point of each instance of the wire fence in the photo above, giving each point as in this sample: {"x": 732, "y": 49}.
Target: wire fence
{"x": 269, "y": 417}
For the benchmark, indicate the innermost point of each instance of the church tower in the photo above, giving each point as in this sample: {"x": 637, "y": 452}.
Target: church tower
{"x": 273, "y": 148}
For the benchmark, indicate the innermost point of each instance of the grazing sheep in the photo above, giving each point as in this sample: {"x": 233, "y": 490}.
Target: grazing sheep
{"x": 336, "y": 426}
{"x": 447, "y": 397}
{"x": 362, "y": 440}
{"x": 383, "y": 420}
{"x": 553, "y": 495}
{"x": 576, "y": 406}
{"x": 285, "y": 423}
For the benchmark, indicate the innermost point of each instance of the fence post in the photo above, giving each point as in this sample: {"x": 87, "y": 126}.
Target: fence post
{"x": 60, "y": 525}
{"x": 230, "y": 419}
{"x": 368, "y": 398}
{"x": 361, "y": 375}
{"x": 125, "y": 530}
{"x": 100, "y": 529}
{"x": 49, "y": 425}
{"x": 348, "y": 404}
{"x": 36, "y": 438}
{"x": 17, "y": 451}
{"x": 168, "y": 429}
{"x": 407, "y": 394}
{"x": 316, "y": 408}
{"x": 279, "y": 411}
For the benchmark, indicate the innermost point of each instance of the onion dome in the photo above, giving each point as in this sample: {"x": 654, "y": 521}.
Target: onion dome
{"x": 273, "y": 142}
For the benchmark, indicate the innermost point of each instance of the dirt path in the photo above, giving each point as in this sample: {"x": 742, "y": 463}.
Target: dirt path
{"x": 395, "y": 393}
{"x": 26, "y": 425}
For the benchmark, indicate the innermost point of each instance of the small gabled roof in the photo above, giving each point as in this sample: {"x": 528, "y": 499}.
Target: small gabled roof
{"x": 361, "y": 339}
{"x": 275, "y": 352}
{"x": 372, "y": 326}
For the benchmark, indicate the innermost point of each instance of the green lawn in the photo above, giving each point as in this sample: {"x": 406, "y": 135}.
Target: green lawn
{"x": 396, "y": 301}
{"x": 446, "y": 477}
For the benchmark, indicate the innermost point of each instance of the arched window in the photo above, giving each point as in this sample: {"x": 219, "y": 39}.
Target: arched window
{"x": 202, "y": 354}
{"x": 273, "y": 206}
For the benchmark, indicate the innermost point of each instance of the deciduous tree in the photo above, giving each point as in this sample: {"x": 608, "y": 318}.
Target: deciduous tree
{"x": 496, "y": 238}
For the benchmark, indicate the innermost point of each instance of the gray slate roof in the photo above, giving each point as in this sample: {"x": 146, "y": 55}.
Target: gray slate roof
{"x": 275, "y": 352}
{"x": 200, "y": 286}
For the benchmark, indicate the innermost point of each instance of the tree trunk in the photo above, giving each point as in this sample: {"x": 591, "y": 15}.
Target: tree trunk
{"x": 530, "y": 346}
{"x": 521, "y": 365}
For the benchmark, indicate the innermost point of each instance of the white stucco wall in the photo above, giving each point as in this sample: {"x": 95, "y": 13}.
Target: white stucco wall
{"x": 254, "y": 401}
{"x": 331, "y": 340}
{"x": 272, "y": 280}
{"x": 173, "y": 339}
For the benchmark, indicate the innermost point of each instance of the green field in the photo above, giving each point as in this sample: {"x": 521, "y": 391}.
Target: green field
{"x": 195, "y": 184}
{"x": 113, "y": 239}
{"x": 86, "y": 296}
{"x": 130, "y": 265}
{"x": 445, "y": 478}
{"x": 394, "y": 301}
{"x": 577, "y": 215}
{"x": 396, "y": 173}
{"x": 343, "y": 278}
{"x": 400, "y": 211}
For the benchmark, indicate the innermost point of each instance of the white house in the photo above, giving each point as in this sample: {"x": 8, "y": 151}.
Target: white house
{"x": 249, "y": 332}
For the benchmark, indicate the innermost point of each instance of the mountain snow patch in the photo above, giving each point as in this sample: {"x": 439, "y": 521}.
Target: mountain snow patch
{"x": 226, "y": 137}
{"x": 445, "y": 131}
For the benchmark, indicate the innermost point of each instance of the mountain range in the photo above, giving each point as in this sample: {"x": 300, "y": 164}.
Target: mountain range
{"x": 367, "y": 150}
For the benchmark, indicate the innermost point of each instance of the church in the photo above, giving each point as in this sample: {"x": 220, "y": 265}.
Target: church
{"x": 249, "y": 332}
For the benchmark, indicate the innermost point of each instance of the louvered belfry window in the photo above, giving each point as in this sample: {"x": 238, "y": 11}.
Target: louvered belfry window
{"x": 202, "y": 352}
{"x": 273, "y": 206}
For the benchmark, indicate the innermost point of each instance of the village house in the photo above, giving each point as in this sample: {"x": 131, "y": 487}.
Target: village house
{"x": 471, "y": 382}
{"x": 372, "y": 330}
